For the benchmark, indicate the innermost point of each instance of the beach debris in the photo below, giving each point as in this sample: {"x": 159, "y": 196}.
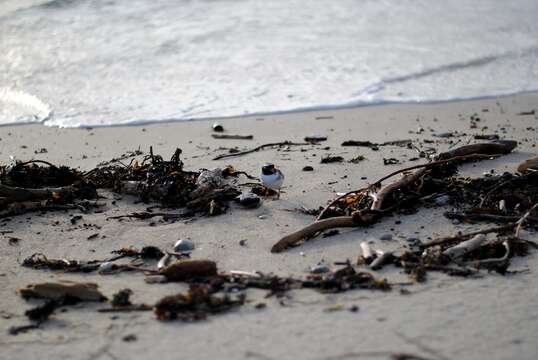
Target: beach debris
{"x": 390, "y": 161}
{"x": 40, "y": 261}
{"x": 523, "y": 113}
{"x": 217, "y": 127}
{"x": 59, "y": 290}
{"x": 155, "y": 279}
{"x": 183, "y": 245}
{"x": 166, "y": 260}
{"x": 196, "y": 304}
{"x": 365, "y": 206}
{"x": 122, "y": 298}
{"x": 386, "y": 237}
{"x": 188, "y": 269}
{"x": 248, "y": 200}
{"x": 261, "y": 147}
{"x": 308, "y": 168}
{"x": 232, "y": 137}
{"x": 367, "y": 255}
{"x": 528, "y": 165}
{"x": 315, "y": 138}
{"x": 383, "y": 258}
{"x": 107, "y": 268}
{"x": 465, "y": 247}
{"x": 357, "y": 159}
{"x": 442, "y": 200}
{"x": 320, "y": 269}
{"x": 375, "y": 146}
{"x": 486, "y": 137}
{"x": 331, "y": 159}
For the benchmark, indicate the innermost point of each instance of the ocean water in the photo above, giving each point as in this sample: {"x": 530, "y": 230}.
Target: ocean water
{"x": 77, "y": 63}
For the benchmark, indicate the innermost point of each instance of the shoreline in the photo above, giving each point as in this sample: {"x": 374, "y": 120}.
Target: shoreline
{"x": 351, "y": 106}
{"x": 453, "y": 317}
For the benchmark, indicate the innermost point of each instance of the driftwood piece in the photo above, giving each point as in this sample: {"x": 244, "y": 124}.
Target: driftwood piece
{"x": 463, "y": 153}
{"x": 10, "y": 194}
{"x": 462, "y": 237}
{"x": 258, "y": 148}
{"x": 59, "y": 290}
{"x": 528, "y": 165}
{"x": 465, "y": 247}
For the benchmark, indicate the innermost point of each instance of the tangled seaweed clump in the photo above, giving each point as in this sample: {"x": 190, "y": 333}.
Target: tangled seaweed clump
{"x": 151, "y": 180}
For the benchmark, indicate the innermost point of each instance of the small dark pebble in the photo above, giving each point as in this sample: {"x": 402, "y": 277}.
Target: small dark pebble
{"x": 331, "y": 159}
{"x": 308, "y": 168}
{"x": 93, "y": 236}
{"x": 243, "y": 242}
{"x": 13, "y": 241}
{"x": 354, "y": 308}
{"x": 218, "y": 127}
{"x": 260, "y": 306}
{"x": 129, "y": 338}
{"x": 75, "y": 218}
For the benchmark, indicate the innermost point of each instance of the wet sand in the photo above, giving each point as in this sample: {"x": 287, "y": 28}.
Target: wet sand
{"x": 492, "y": 316}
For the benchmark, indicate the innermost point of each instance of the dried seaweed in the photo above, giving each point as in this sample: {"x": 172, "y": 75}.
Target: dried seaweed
{"x": 196, "y": 304}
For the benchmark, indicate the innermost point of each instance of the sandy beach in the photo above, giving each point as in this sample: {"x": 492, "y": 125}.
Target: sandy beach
{"x": 489, "y": 316}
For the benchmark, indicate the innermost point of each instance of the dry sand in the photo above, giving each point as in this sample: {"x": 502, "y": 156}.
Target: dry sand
{"x": 492, "y": 317}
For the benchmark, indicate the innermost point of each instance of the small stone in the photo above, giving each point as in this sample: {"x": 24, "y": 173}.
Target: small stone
{"x": 243, "y": 242}
{"x": 183, "y": 246}
{"x": 385, "y": 237}
{"x": 107, "y": 268}
{"x": 308, "y": 168}
{"x": 155, "y": 279}
{"x": 248, "y": 200}
{"x": 413, "y": 240}
{"x": 218, "y": 127}
{"x": 442, "y": 200}
{"x": 302, "y": 253}
{"x": 262, "y": 217}
{"x": 319, "y": 269}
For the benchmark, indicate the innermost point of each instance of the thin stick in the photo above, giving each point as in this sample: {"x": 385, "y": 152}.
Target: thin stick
{"x": 258, "y": 148}
{"x": 463, "y": 237}
{"x": 232, "y": 137}
{"x": 315, "y": 227}
{"x": 523, "y": 219}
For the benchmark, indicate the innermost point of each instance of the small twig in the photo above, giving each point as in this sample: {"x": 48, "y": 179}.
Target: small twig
{"x": 149, "y": 215}
{"x": 462, "y": 237}
{"x": 523, "y": 219}
{"x": 490, "y": 217}
{"x": 258, "y": 148}
{"x": 142, "y": 307}
{"x": 232, "y": 137}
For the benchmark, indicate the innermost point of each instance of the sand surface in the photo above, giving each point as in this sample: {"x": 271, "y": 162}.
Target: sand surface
{"x": 492, "y": 316}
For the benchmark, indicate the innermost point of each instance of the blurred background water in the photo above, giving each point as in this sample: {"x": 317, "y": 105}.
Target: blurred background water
{"x": 108, "y": 62}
